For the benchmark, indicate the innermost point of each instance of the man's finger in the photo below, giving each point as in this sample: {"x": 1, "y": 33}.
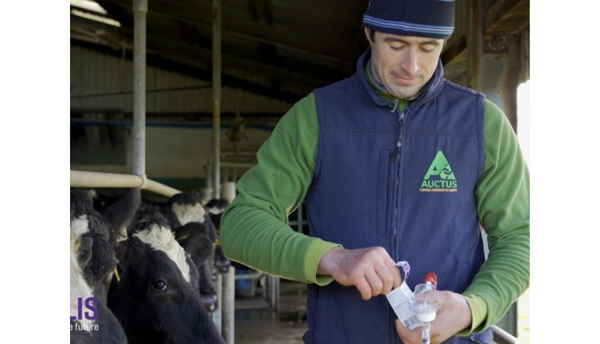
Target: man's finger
{"x": 364, "y": 288}
{"x": 395, "y": 271}
{"x": 374, "y": 281}
{"x": 408, "y": 336}
{"x": 402, "y": 330}
{"x": 386, "y": 278}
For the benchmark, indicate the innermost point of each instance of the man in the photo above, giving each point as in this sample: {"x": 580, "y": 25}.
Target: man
{"x": 395, "y": 163}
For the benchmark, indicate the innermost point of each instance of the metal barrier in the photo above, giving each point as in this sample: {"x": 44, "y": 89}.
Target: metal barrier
{"x": 503, "y": 337}
{"x": 83, "y": 179}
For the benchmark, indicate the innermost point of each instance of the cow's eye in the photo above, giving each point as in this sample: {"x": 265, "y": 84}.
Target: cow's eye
{"x": 159, "y": 285}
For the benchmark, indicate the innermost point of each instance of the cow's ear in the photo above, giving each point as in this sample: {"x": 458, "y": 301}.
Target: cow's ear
{"x": 85, "y": 251}
{"x": 123, "y": 253}
{"x": 120, "y": 214}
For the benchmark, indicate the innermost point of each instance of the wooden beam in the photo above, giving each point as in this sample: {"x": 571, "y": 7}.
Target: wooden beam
{"x": 456, "y": 68}
{"x": 451, "y": 52}
{"x": 261, "y": 10}
{"x": 188, "y": 53}
{"x": 281, "y": 37}
{"x": 183, "y": 51}
{"x": 267, "y": 51}
{"x": 507, "y": 17}
{"x": 474, "y": 44}
{"x": 511, "y": 82}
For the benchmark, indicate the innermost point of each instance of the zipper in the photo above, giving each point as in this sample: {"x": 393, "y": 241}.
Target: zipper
{"x": 396, "y": 101}
{"x": 396, "y": 158}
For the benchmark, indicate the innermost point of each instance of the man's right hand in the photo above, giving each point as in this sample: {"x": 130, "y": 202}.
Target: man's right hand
{"x": 370, "y": 269}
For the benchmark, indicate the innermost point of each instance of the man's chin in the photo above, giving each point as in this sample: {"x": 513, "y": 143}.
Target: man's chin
{"x": 404, "y": 94}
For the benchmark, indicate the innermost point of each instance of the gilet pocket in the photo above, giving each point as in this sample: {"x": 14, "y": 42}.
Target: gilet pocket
{"x": 385, "y": 193}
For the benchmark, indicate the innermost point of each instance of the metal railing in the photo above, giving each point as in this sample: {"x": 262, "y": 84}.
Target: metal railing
{"x": 84, "y": 179}
{"x": 503, "y": 337}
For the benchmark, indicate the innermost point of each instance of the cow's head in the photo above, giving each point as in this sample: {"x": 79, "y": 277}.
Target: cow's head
{"x": 197, "y": 233}
{"x": 157, "y": 298}
{"x": 198, "y": 240}
{"x": 93, "y": 262}
{"x": 187, "y": 207}
{"x": 215, "y": 208}
{"x": 99, "y": 233}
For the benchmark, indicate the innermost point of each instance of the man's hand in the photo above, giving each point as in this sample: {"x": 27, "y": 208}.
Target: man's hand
{"x": 371, "y": 270}
{"x": 453, "y": 317}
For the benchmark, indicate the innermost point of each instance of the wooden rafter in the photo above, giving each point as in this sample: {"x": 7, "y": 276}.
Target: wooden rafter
{"x": 191, "y": 12}
{"x": 507, "y": 17}
{"x": 198, "y": 55}
{"x": 196, "y": 71}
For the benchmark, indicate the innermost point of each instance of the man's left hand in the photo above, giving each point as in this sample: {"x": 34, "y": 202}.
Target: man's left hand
{"x": 453, "y": 317}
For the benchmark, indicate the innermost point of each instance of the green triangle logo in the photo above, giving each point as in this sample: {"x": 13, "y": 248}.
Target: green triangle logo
{"x": 440, "y": 167}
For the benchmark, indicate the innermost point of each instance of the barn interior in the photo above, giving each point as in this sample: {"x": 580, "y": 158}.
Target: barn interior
{"x": 206, "y": 81}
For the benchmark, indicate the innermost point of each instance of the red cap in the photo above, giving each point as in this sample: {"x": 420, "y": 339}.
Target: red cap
{"x": 432, "y": 278}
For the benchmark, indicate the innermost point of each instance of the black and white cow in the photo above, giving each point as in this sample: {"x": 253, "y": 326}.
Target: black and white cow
{"x": 216, "y": 207}
{"x": 157, "y": 298}
{"x": 196, "y": 232}
{"x": 93, "y": 262}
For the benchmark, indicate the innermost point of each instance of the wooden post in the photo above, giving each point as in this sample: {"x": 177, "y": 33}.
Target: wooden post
{"x": 474, "y": 41}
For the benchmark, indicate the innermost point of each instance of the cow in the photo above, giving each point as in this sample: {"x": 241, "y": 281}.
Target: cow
{"x": 216, "y": 207}
{"x": 193, "y": 228}
{"x": 93, "y": 262}
{"x": 157, "y": 297}
{"x": 197, "y": 234}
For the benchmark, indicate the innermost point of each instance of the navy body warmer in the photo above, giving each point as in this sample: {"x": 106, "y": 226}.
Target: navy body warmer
{"x": 403, "y": 181}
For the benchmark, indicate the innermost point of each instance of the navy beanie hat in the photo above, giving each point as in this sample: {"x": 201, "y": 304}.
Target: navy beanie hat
{"x": 423, "y": 18}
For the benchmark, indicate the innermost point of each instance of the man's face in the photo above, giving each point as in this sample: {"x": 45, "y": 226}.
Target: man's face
{"x": 403, "y": 64}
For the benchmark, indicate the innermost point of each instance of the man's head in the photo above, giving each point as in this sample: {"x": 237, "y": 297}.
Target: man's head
{"x": 406, "y": 38}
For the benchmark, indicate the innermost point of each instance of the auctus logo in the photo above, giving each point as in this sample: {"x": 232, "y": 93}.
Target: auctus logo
{"x": 439, "y": 177}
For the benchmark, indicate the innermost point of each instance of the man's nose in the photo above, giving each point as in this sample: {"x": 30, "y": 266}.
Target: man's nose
{"x": 409, "y": 62}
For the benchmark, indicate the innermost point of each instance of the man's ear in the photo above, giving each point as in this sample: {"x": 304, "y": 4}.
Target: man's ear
{"x": 368, "y": 32}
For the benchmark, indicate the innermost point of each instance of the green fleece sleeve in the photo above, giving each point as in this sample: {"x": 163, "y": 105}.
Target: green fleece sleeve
{"x": 503, "y": 207}
{"x": 254, "y": 228}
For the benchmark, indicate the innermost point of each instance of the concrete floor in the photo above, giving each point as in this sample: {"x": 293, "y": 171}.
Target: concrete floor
{"x": 255, "y": 323}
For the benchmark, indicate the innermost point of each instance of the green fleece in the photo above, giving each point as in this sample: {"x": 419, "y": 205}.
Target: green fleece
{"x": 255, "y": 230}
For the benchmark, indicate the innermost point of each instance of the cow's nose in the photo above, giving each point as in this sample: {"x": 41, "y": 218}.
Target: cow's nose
{"x": 210, "y": 302}
{"x": 222, "y": 265}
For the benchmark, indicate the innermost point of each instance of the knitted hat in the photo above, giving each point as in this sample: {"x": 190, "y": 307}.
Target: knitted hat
{"x": 423, "y": 18}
